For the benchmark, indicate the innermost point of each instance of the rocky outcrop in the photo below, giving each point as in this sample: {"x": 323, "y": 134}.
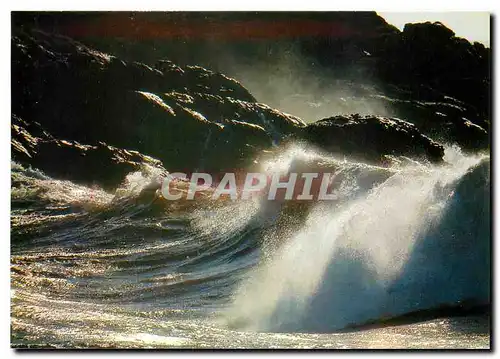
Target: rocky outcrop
{"x": 354, "y": 45}
{"x": 441, "y": 117}
{"x": 424, "y": 54}
{"x": 186, "y": 117}
{"x": 80, "y": 104}
{"x": 430, "y": 55}
{"x": 372, "y": 138}
{"x": 433, "y": 78}
{"x": 99, "y": 164}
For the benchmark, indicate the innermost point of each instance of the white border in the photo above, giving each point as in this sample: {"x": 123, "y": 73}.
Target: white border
{"x": 176, "y": 5}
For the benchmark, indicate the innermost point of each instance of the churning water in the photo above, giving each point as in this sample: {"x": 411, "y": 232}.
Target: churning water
{"x": 128, "y": 269}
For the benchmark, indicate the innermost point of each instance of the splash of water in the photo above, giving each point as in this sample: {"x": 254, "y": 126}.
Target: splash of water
{"x": 338, "y": 269}
{"x": 31, "y": 184}
{"x": 135, "y": 182}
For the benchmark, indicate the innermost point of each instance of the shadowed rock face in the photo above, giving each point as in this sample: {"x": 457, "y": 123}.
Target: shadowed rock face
{"x": 429, "y": 54}
{"x": 357, "y": 45}
{"x": 186, "y": 117}
{"x": 76, "y": 103}
{"x": 372, "y": 138}
{"x": 85, "y": 164}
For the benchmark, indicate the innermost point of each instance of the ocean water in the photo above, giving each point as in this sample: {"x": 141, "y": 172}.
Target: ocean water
{"x": 127, "y": 269}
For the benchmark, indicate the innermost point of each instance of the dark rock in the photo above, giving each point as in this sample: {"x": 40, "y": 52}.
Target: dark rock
{"x": 469, "y": 135}
{"x": 356, "y": 45}
{"x": 428, "y": 31}
{"x": 193, "y": 118}
{"x": 187, "y": 117}
{"x": 101, "y": 164}
{"x": 442, "y": 118}
{"x": 429, "y": 55}
{"x": 372, "y": 137}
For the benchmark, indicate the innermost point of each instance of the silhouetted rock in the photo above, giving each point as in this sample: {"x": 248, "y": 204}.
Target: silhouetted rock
{"x": 372, "y": 138}
{"x": 428, "y": 54}
{"x": 443, "y": 118}
{"x": 357, "y": 45}
{"x": 100, "y": 164}
{"x": 427, "y": 32}
{"x": 187, "y": 117}
{"x": 86, "y": 101}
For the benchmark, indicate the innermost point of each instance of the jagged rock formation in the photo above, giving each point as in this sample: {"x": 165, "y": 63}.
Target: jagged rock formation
{"x": 422, "y": 57}
{"x": 186, "y": 117}
{"x": 373, "y": 138}
{"x": 76, "y": 103}
{"x": 87, "y": 164}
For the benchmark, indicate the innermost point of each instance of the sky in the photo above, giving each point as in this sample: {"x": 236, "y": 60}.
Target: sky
{"x": 474, "y": 26}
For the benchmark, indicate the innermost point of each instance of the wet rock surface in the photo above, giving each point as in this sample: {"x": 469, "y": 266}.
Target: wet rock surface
{"x": 372, "y": 137}
{"x": 73, "y": 101}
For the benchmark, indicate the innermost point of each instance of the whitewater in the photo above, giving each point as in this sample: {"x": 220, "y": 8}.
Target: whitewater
{"x": 129, "y": 269}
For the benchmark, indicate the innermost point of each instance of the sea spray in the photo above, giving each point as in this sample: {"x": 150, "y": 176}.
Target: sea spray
{"x": 339, "y": 268}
